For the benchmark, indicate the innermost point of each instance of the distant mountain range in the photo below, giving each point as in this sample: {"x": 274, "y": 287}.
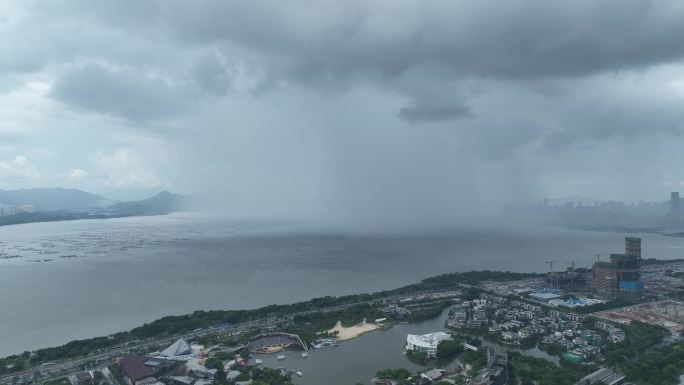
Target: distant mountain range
{"x": 59, "y": 204}
{"x": 53, "y": 198}
{"x": 162, "y": 203}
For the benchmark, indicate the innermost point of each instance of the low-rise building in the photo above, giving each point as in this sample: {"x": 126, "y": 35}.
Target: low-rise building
{"x": 138, "y": 369}
{"x": 426, "y": 343}
{"x": 432, "y": 375}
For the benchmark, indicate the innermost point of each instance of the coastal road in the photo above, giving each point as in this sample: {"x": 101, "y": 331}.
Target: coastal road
{"x": 74, "y": 366}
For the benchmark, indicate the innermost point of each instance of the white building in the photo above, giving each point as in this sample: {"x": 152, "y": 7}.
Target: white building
{"x": 179, "y": 350}
{"x": 432, "y": 375}
{"x": 426, "y": 343}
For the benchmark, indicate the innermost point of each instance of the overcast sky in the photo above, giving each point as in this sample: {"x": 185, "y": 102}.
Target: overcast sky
{"x": 410, "y": 108}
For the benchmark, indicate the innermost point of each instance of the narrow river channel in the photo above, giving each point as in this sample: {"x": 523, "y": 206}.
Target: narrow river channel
{"x": 357, "y": 360}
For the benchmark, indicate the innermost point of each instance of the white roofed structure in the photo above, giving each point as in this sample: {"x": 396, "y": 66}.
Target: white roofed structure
{"x": 426, "y": 343}
{"x": 179, "y": 348}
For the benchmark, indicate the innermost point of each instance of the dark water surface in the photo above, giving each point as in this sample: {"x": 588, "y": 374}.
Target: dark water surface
{"x": 67, "y": 280}
{"x": 357, "y": 360}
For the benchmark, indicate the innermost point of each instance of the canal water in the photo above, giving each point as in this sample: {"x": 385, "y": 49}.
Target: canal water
{"x": 357, "y": 360}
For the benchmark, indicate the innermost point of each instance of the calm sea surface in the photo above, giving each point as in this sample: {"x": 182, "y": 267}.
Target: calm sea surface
{"x": 67, "y": 280}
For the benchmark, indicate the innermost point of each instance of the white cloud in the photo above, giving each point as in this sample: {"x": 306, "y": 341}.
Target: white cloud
{"x": 77, "y": 173}
{"x": 19, "y": 167}
{"x": 126, "y": 167}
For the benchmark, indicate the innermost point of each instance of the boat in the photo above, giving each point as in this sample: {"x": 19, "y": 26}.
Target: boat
{"x": 323, "y": 343}
{"x": 258, "y": 361}
{"x": 298, "y": 373}
{"x": 281, "y": 357}
{"x": 305, "y": 354}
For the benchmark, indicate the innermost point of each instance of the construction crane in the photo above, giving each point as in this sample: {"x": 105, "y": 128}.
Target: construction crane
{"x": 572, "y": 274}
{"x": 555, "y": 284}
{"x": 550, "y": 263}
{"x": 551, "y": 275}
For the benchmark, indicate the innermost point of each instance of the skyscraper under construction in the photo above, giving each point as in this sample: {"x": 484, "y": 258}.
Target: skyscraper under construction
{"x": 633, "y": 247}
{"x": 622, "y": 273}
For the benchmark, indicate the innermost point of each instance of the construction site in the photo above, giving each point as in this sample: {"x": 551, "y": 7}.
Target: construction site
{"x": 667, "y": 313}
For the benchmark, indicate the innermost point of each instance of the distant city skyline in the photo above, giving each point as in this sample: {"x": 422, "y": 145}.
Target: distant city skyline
{"x": 547, "y": 201}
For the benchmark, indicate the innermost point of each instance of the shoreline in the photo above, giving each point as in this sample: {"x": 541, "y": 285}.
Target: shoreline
{"x": 351, "y": 332}
{"x": 181, "y": 325}
{"x": 75, "y": 217}
{"x": 209, "y": 323}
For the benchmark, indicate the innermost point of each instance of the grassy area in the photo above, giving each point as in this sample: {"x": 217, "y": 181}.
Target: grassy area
{"x": 525, "y": 369}
{"x": 477, "y": 360}
{"x": 59, "y": 381}
{"x": 661, "y": 367}
{"x": 640, "y": 338}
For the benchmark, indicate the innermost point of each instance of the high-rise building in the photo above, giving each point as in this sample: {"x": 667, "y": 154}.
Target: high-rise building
{"x": 627, "y": 268}
{"x": 622, "y": 273}
{"x": 675, "y": 214}
{"x": 605, "y": 280}
{"x": 633, "y": 247}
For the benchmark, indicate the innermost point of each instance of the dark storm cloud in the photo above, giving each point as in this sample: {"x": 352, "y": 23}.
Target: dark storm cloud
{"x": 211, "y": 74}
{"x": 325, "y": 101}
{"x": 335, "y": 45}
{"x": 617, "y": 125}
{"x": 123, "y": 93}
{"x": 467, "y": 38}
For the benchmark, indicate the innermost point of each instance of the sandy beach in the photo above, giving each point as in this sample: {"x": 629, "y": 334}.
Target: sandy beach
{"x": 347, "y": 333}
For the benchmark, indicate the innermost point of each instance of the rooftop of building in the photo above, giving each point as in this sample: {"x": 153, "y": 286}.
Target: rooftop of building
{"x": 432, "y": 374}
{"x": 430, "y": 340}
{"x": 178, "y": 348}
{"x": 135, "y": 367}
{"x": 546, "y": 295}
